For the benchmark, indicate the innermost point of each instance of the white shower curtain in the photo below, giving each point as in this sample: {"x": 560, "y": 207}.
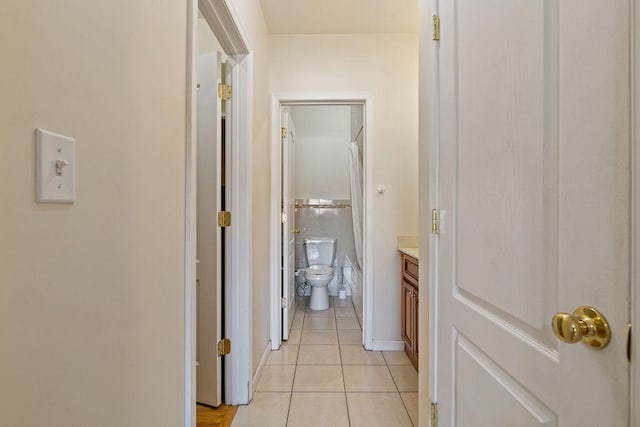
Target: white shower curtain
{"x": 355, "y": 172}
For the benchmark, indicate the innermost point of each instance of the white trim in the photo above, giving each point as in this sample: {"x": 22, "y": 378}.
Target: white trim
{"x": 429, "y": 160}
{"x": 368, "y": 284}
{"x": 275, "y": 313}
{"x": 387, "y": 345}
{"x": 190, "y": 220}
{"x": 427, "y": 60}
{"x": 276, "y": 247}
{"x": 634, "y": 52}
{"x": 261, "y": 365}
{"x": 238, "y": 295}
{"x": 223, "y": 20}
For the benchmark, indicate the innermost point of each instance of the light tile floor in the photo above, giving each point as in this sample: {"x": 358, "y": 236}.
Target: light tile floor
{"x": 322, "y": 376}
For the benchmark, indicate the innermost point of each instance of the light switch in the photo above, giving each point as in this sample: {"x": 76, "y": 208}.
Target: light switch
{"x": 55, "y": 168}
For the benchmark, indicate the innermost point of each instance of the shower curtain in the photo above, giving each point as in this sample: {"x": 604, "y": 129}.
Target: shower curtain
{"x": 355, "y": 172}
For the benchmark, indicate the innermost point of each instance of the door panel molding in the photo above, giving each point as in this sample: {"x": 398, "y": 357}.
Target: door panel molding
{"x": 492, "y": 384}
{"x": 522, "y": 190}
{"x": 540, "y": 340}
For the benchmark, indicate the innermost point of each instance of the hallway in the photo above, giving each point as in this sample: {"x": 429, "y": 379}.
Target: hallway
{"x": 323, "y": 377}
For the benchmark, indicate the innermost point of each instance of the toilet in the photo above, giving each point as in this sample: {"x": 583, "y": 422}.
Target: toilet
{"x": 320, "y": 253}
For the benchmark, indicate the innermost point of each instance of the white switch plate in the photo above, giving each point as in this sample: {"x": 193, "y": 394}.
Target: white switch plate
{"x": 55, "y": 184}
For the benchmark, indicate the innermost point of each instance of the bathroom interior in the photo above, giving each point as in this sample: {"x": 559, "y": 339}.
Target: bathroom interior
{"x": 329, "y": 142}
{"x": 323, "y": 361}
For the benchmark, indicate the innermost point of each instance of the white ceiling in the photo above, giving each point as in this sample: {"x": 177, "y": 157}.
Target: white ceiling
{"x": 340, "y": 16}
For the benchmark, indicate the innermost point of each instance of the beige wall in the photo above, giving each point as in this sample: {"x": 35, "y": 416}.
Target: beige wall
{"x": 253, "y": 23}
{"x": 92, "y": 294}
{"x": 386, "y": 67}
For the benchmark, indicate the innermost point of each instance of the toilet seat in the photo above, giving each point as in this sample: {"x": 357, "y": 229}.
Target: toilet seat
{"x": 318, "y": 277}
{"x": 319, "y": 270}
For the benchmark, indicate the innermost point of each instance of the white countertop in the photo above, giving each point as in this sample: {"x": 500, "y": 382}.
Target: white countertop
{"x": 412, "y": 252}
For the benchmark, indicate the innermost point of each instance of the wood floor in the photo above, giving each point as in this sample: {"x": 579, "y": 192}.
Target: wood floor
{"x": 215, "y": 417}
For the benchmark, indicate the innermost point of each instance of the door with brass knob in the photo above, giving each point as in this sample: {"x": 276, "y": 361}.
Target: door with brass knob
{"x": 289, "y": 228}
{"x": 529, "y": 167}
{"x": 586, "y": 324}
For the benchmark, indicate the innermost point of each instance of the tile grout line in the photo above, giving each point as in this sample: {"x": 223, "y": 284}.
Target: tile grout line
{"x": 397, "y": 388}
{"x": 295, "y": 370}
{"x": 344, "y": 383}
{"x": 387, "y": 363}
{"x": 336, "y": 329}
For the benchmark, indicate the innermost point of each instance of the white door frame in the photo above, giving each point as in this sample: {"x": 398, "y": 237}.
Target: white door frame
{"x": 277, "y": 100}
{"x": 427, "y": 132}
{"x": 635, "y": 211}
{"x": 238, "y": 280}
{"x": 223, "y": 20}
{"x": 287, "y": 232}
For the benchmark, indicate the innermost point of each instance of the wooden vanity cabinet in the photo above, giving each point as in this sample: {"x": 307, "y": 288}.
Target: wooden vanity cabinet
{"x": 410, "y": 298}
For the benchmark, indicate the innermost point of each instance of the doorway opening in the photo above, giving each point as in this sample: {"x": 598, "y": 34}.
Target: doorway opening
{"x": 217, "y": 180}
{"x": 319, "y": 202}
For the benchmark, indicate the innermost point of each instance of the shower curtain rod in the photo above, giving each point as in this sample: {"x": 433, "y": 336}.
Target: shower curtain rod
{"x": 323, "y": 206}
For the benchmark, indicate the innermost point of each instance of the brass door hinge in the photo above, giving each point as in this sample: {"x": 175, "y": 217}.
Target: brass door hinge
{"x": 283, "y": 132}
{"x": 224, "y": 347}
{"x": 436, "y": 27}
{"x": 435, "y": 221}
{"x": 224, "y": 219}
{"x": 434, "y": 414}
{"x": 224, "y": 91}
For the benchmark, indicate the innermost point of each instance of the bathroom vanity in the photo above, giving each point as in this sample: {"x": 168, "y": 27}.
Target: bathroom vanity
{"x": 410, "y": 298}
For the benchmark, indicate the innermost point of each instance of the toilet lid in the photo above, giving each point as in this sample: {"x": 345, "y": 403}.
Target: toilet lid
{"x": 319, "y": 269}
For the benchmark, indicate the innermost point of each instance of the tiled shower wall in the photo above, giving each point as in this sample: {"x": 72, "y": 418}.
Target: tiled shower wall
{"x": 325, "y": 222}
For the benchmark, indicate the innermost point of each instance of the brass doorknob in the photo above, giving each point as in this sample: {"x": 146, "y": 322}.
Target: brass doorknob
{"x": 295, "y": 231}
{"x": 586, "y": 324}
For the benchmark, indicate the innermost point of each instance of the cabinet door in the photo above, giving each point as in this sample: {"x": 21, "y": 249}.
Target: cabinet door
{"x": 408, "y": 317}
{"x": 415, "y": 329}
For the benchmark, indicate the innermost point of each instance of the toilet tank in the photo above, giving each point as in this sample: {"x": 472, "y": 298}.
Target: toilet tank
{"x": 320, "y": 250}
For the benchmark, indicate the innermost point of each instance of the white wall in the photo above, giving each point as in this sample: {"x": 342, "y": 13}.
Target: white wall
{"x": 92, "y": 294}
{"x": 386, "y": 67}
{"x": 253, "y": 24}
{"x": 322, "y": 169}
{"x": 322, "y": 138}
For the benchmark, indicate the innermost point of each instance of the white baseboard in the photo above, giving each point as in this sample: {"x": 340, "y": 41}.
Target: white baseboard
{"x": 261, "y": 365}
{"x": 387, "y": 345}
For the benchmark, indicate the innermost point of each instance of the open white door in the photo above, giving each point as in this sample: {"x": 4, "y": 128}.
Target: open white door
{"x": 530, "y": 171}
{"x": 209, "y": 304}
{"x": 288, "y": 223}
